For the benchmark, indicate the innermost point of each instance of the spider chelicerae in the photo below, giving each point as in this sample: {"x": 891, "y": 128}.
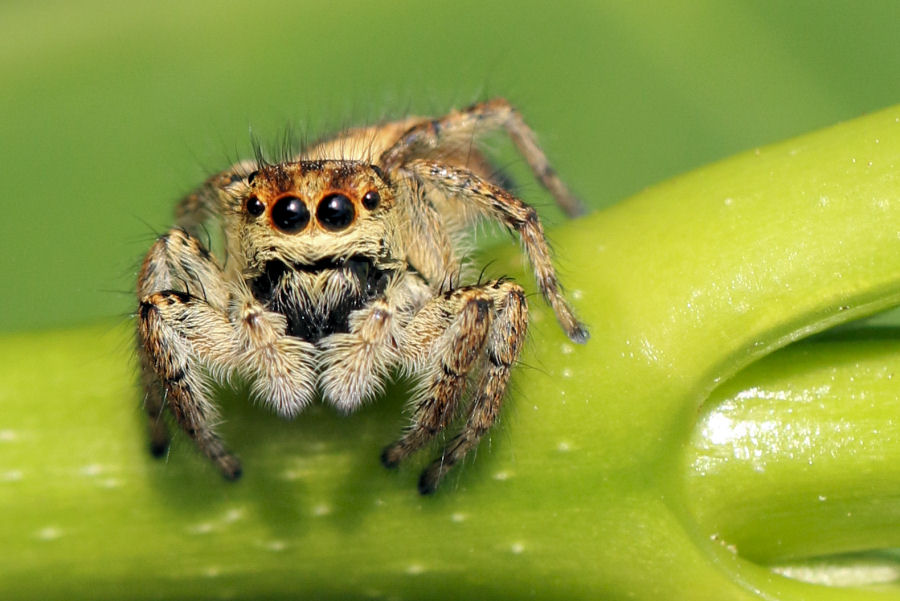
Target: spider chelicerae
{"x": 342, "y": 267}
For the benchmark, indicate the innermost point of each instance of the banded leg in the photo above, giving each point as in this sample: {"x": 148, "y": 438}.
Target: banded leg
{"x": 180, "y": 333}
{"x": 461, "y": 127}
{"x": 499, "y": 204}
{"x": 501, "y": 351}
{"x": 154, "y": 405}
{"x": 457, "y": 324}
{"x": 176, "y": 260}
{"x": 179, "y": 261}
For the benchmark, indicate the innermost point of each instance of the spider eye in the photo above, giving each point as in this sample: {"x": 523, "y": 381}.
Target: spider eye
{"x": 290, "y": 214}
{"x": 371, "y": 200}
{"x": 255, "y": 206}
{"x": 335, "y": 212}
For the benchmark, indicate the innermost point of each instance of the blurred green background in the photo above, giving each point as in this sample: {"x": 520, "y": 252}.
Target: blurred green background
{"x": 112, "y": 110}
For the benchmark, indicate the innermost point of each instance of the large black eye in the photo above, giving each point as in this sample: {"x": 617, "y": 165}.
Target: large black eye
{"x": 335, "y": 212}
{"x": 290, "y": 214}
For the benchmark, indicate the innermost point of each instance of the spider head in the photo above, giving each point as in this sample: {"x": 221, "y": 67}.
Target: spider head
{"x": 311, "y": 212}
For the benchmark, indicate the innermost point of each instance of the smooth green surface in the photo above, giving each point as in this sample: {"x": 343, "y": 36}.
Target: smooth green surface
{"x": 605, "y": 480}
{"x": 808, "y": 441}
{"x": 112, "y": 110}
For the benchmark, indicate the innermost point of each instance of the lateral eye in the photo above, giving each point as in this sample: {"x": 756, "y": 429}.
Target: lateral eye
{"x": 255, "y": 206}
{"x": 371, "y": 200}
{"x": 290, "y": 214}
{"x": 335, "y": 212}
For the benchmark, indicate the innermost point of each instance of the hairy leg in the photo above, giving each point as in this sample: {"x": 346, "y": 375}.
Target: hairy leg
{"x": 443, "y": 341}
{"x": 497, "y": 203}
{"x": 178, "y": 334}
{"x": 501, "y": 350}
{"x": 461, "y": 127}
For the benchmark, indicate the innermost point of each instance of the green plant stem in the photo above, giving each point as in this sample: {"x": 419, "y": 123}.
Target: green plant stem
{"x": 799, "y": 455}
{"x": 594, "y": 486}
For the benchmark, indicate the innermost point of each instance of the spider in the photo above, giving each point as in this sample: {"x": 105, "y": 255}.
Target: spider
{"x": 343, "y": 266}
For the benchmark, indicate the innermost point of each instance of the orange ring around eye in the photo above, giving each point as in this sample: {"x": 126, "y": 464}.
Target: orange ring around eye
{"x": 289, "y": 214}
{"x": 335, "y": 212}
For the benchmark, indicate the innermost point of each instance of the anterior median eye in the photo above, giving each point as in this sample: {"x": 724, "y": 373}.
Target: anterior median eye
{"x": 290, "y": 214}
{"x": 335, "y": 212}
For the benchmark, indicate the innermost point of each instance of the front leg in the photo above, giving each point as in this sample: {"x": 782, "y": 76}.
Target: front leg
{"x": 444, "y": 342}
{"x": 184, "y": 334}
{"x": 180, "y": 334}
{"x": 496, "y": 203}
{"x": 501, "y": 351}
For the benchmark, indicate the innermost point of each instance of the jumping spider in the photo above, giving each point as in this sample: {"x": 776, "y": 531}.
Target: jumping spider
{"x": 342, "y": 270}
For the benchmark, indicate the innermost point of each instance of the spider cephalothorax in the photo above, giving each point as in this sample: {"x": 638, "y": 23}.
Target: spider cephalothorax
{"x": 316, "y": 241}
{"x": 341, "y": 271}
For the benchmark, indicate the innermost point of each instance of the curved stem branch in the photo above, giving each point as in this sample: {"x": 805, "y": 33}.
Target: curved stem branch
{"x": 799, "y": 455}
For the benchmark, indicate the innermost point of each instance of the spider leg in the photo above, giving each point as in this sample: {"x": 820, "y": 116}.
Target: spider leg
{"x": 154, "y": 405}
{"x": 209, "y": 199}
{"x": 460, "y": 127}
{"x": 191, "y": 322}
{"x": 178, "y": 333}
{"x": 429, "y": 246}
{"x": 444, "y": 340}
{"x": 501, "y": 350}
{"x": 172, "y": 325}
{"x": 471, "y": 330}
{"x": 497, "y": 203}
